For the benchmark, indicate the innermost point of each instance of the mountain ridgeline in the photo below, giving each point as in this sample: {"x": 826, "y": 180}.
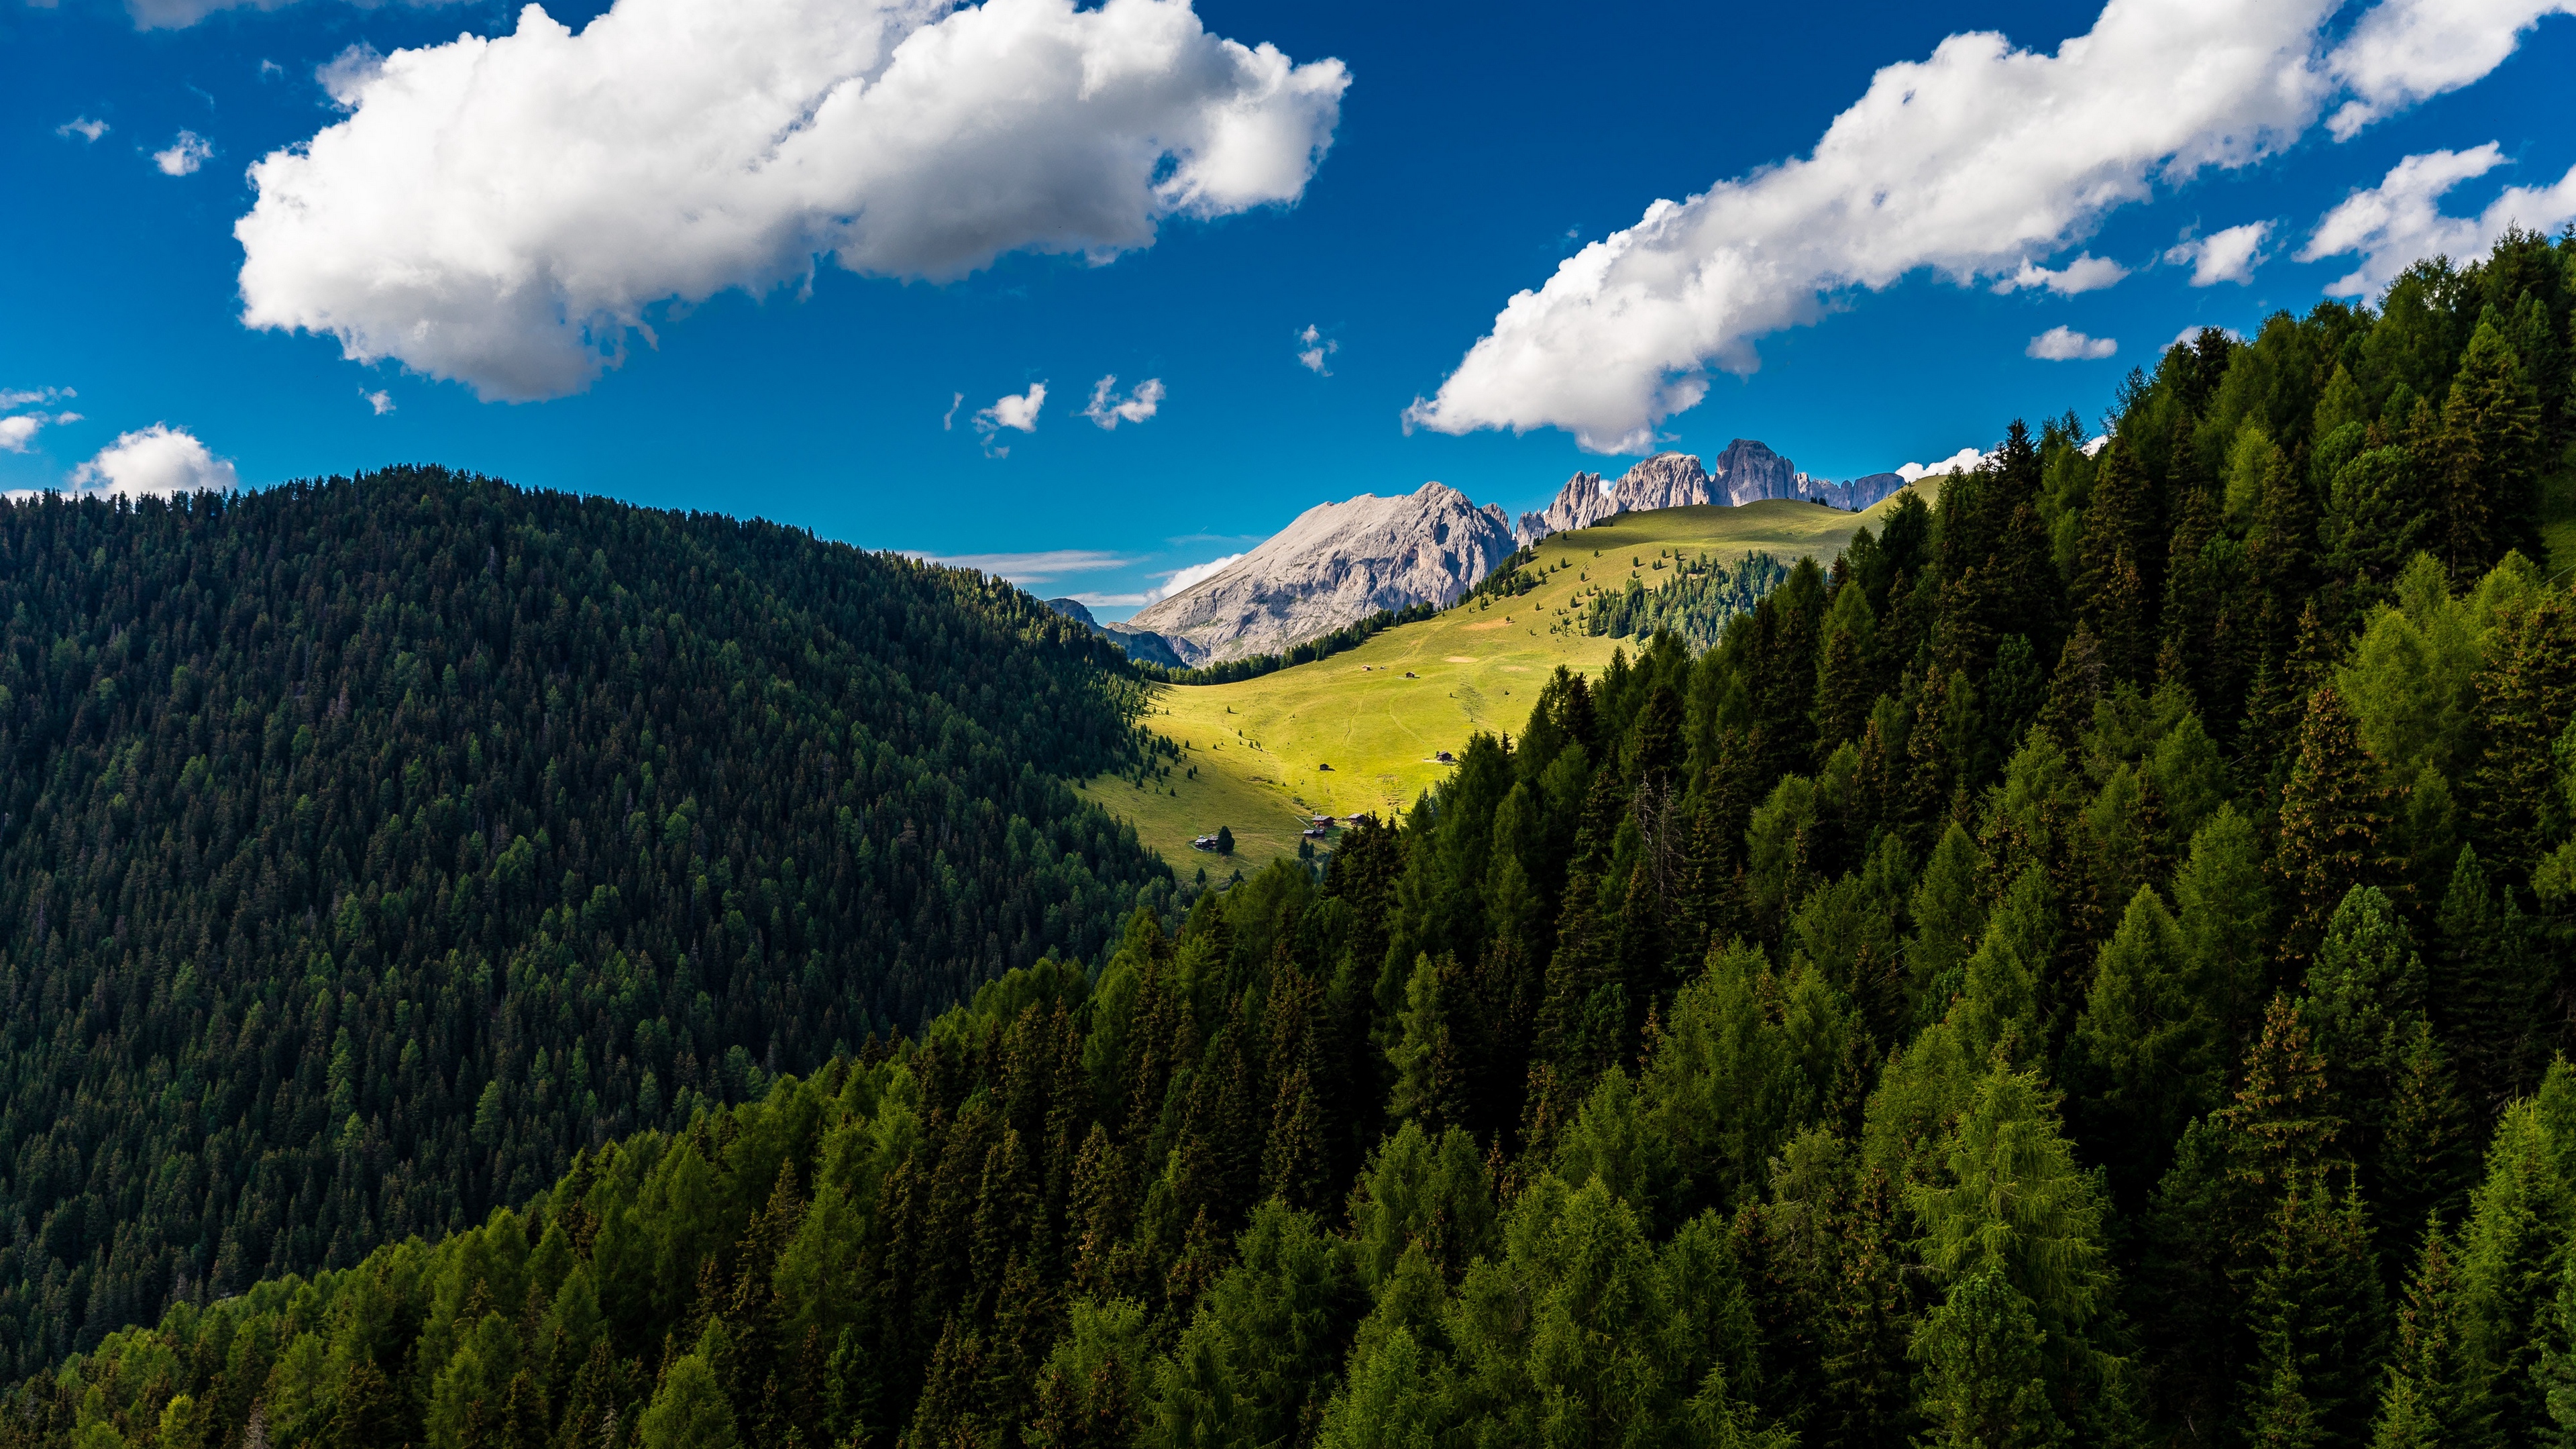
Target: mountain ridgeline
{"x": 370, "y": 847}
{"x": 1747, "y": 472}
{"x": 2089, "y": 967}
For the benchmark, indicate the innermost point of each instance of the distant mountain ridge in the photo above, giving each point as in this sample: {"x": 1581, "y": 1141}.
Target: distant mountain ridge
{"x": 1336, "y": 563}
{"x": 1747, "y": 472}
{"x": 1135, "y": 643}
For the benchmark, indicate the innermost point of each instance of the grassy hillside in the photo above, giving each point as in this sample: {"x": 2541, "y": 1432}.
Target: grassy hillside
{"x": 1260, "y": 746}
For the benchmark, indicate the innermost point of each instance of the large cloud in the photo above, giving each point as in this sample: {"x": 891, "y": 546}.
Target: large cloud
{"x": 2395, "y": 223}
{"x": 1975, "y": 164}
{"x": 505, "y": 211}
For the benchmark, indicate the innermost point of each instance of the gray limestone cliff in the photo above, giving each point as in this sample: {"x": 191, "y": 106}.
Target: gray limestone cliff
{"x": 1746, "y": 472}
{"x": 1336, "y": 564}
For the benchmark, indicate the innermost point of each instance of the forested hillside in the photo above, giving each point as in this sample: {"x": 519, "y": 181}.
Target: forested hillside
{"x": 2090, "y": 970}
{"x": 369, "y": 847}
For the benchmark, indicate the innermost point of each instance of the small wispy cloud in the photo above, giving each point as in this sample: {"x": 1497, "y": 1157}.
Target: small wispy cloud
{"x": 2065, "y": 344}
{"x": 382, "y": 402}
{"x": 1181, "y": 579}
{"x": 184, "y": 155}
{"x": 345, "y": 76}
{"x": 2087, "y": 273}
{"x": 955, "y": 401}
{"x": 83, "y": 127}
{"x": 1016, "y": 411}
{"x": 1033, "y": 568}
{"x": 2223, "y": 256}
{"x": 1109, "y": 410}
{"x": 18, "y": 431}
{"x": 1313, "y": 347}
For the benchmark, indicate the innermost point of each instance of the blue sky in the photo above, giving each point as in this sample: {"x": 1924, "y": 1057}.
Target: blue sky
{"x": 1469, "y": 152}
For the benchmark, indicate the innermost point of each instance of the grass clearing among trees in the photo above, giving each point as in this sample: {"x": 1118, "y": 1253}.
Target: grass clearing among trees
{"x": 1379, "y": 714}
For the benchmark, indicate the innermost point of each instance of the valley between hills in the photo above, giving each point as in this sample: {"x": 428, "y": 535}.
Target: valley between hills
{"x": 1255, "y": 752}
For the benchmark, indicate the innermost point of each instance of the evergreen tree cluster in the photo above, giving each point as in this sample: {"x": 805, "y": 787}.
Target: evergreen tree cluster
{"x": 2090, "y": 967}
{"x": 368, "y": 848}
{"x": 1702, "y": 595}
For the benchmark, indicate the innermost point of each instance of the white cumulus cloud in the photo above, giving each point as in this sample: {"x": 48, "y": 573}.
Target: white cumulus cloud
{"x": 1017, "y": 411}
{"x": 1014, "y": 410}
{"x": 159, "y": 459}
{"x": 382, "y": 402}
{"x": 1313, "y": 348}
{"x": 1972, "y": 164}
{"x": 1181, "y": 579}
{"x": 18, "y": 431}
{"x": 83, "y": 127}
{"x": 2404, "y": 51}
{"x": 2064, "y": 344}
{"x": 1109, "y": 410}
{"x": 184, "y": 155}
{"x": 1963, "y": 459}
{"x": 2400, "y": 221}
{"x": 2223, "y": 256}
{"x": 2086, "y": 273}
{"x": 504, "y": 211}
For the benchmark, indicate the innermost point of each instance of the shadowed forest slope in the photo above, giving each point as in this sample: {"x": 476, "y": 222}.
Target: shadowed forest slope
{"x": 370, "y": 846}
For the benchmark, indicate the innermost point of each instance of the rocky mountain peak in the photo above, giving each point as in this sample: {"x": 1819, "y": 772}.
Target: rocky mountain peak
{"x": 1336, "y": 563}
{"x": 1746, "y": 472}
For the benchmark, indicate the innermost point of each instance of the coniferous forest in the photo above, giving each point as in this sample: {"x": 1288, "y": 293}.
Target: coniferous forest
{"x": 369, "y": 848}
{"x": 1702, "y": 595}
{"x": 2090, "y": 967}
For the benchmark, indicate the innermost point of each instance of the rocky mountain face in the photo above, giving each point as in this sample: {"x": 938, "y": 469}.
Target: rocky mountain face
{"x": 1860, "y": 492}
{"x": 1136, "y": 643}
{"x": 1337, "y": 563}
{"x": 1143, "y": 644}
{"x": 1746, "y": 472}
